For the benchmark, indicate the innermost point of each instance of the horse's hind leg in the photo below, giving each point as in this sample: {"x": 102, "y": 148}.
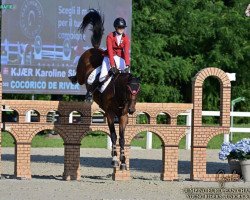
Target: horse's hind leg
{"x": 122, "y": 125}
{"x": 111, "y": 125}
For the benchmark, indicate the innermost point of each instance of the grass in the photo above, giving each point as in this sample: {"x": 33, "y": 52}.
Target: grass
{"x": 94, "y": 140}
{"x": 98, "y": 139}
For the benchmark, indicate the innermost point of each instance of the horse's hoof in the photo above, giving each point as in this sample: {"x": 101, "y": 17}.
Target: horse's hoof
{"x": 115, "y": 163}
{"x": 123, "y": 167}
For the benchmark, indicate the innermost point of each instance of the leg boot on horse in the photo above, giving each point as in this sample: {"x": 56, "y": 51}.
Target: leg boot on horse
{"x": 123, "y": 160}
{"x": 114, "y": 162}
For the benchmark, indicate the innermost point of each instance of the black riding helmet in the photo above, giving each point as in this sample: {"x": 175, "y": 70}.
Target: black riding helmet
{"x": 120, "y": 22}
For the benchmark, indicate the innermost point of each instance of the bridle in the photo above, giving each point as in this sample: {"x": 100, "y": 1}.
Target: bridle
{"x": 129, "y": 90}
{"x": 134, "y": 92}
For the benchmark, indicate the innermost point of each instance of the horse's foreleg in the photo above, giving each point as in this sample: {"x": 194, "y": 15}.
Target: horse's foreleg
{"x": 113, "y": 136}
{"x": 122, "y": 125}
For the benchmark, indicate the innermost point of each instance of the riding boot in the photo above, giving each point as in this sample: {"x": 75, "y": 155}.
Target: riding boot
{"x": 92, "y": 89}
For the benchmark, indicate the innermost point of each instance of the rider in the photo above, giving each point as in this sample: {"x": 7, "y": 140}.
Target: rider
{"x": 117, "y": 54}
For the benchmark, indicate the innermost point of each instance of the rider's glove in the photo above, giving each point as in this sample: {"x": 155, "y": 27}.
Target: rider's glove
{"x": 127, "y": 69}
{"x": 112, "y": 71}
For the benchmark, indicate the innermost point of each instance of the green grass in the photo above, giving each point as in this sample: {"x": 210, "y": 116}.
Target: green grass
{"x": 7, "y": 140}
{"x": 44, "y": 141}
{"x": 94, "y": 140}
{"x": 216, "y": 141}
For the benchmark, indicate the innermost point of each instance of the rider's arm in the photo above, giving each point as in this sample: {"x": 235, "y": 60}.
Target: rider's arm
{"x": 110, "y": 50}
{"x": 126, "y": 51}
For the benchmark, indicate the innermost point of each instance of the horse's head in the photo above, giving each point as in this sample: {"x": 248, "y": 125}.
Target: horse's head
{"x": 133, "y": 88}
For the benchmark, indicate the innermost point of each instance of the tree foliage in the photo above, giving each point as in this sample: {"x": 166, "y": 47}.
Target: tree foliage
{"x": 173, "y": 39}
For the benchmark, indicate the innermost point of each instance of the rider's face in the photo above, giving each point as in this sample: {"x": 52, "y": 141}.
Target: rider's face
{"x": 120, "y": 30}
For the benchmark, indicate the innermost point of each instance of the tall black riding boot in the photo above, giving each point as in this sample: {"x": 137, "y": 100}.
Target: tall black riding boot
{"x": 91, "y": 90}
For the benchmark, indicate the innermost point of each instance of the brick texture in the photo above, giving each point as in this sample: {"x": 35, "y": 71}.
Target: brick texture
{"x": 72, "y": 133}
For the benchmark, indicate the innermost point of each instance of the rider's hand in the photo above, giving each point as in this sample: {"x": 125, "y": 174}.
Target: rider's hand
{"x": 127, "y": 69}
{"x": 112, "y": 71}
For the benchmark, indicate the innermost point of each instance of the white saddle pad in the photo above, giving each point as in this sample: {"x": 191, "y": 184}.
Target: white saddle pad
{"x": 105, "y": 84}
{"x": 93, "y": 74}
{"x": 92, "y": 77}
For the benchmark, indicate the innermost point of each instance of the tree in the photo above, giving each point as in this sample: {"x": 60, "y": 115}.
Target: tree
{"x": 173, "y": 39}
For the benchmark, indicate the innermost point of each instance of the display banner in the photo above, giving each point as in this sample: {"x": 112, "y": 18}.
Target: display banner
{"x": 41, "y": 43}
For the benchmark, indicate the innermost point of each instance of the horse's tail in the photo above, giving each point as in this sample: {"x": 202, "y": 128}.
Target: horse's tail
{"x": 96, "y": 20}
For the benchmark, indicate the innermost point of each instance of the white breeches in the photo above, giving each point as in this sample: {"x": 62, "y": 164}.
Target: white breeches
{"x": 120, "y": 63}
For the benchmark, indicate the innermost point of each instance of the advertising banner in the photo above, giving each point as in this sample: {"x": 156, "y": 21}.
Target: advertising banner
{"x": 41, "y": 43}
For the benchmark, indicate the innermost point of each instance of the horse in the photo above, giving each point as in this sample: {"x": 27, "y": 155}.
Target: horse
{"x": 120, "y": 96}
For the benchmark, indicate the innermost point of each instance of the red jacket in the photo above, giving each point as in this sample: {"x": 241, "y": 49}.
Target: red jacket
{"x": 121, "y": 50}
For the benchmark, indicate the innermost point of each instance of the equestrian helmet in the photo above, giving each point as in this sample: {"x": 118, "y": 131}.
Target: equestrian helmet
{"x": 120, "y": 22}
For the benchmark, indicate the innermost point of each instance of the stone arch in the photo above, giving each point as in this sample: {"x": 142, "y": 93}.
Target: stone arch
{"x": 67, "y": 113}
{"x": 147, "y": 115}
{"x": 103, "y": 114}
{"x": 14, "y": 153}
{"x": 181, "y": 136}
{"x": 15, "y": 113}
{"x": 36, "y": 110}
{"x": 202, "y": 134}
{"x": 57, "y": 112}
{"x": 81, "y": 116}
{"x": 101, "y": 130}
{"x": 36, "y": 131}
{"x": 168, "y": 117}
{"x": 13, "y": 135}
{"x": 212, "y": 134}
{"x": 225, "y": 94}
{"x": 136, "y": 132}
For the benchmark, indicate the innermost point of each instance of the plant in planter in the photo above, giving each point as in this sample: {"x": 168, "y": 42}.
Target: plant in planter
{"x": 243, "y": 147}
{"x": 238, "y": 156}
{"x": 228, "y": 151}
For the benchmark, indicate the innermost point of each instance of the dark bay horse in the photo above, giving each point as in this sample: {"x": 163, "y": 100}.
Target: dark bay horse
{"x": 119, "y": 98}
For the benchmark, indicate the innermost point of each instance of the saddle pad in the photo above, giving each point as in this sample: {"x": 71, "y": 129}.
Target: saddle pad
{"x": 104, "y": 86}
{"x": 93, "y": 75}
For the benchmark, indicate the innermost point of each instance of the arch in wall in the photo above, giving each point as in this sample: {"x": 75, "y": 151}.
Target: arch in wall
{"x": 96, "y": 133}
{"x": 163, "y": 118}
{"x": 8, "y": 157}
{"x": 142, "y": 118}
{"x": 99, "y": 158}
{"x": 10, "y": 116}
{"x": 75, "y": 117}
{"x": 42, "y": 128}
{"x": 136, "y": 132}
{"x": 147, "y": 164}
{"x": 32, "y": 116}
{"x": 42, "y": 161}
{"x": 184, "y": 160}
{"x": 98, "y": 117}
{"x": 53, "y": 116}
{"x": 225, "y": 94}
{"x": 201, "y": 134}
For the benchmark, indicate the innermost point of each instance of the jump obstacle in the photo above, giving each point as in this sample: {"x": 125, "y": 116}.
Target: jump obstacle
{"x": 170, "y": 134}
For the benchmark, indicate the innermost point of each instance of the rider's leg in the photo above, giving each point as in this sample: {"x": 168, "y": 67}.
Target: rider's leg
{"x": 105, "y": 69}
{"x": 92, "y": 89}
{"x": 120, "y": 63}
